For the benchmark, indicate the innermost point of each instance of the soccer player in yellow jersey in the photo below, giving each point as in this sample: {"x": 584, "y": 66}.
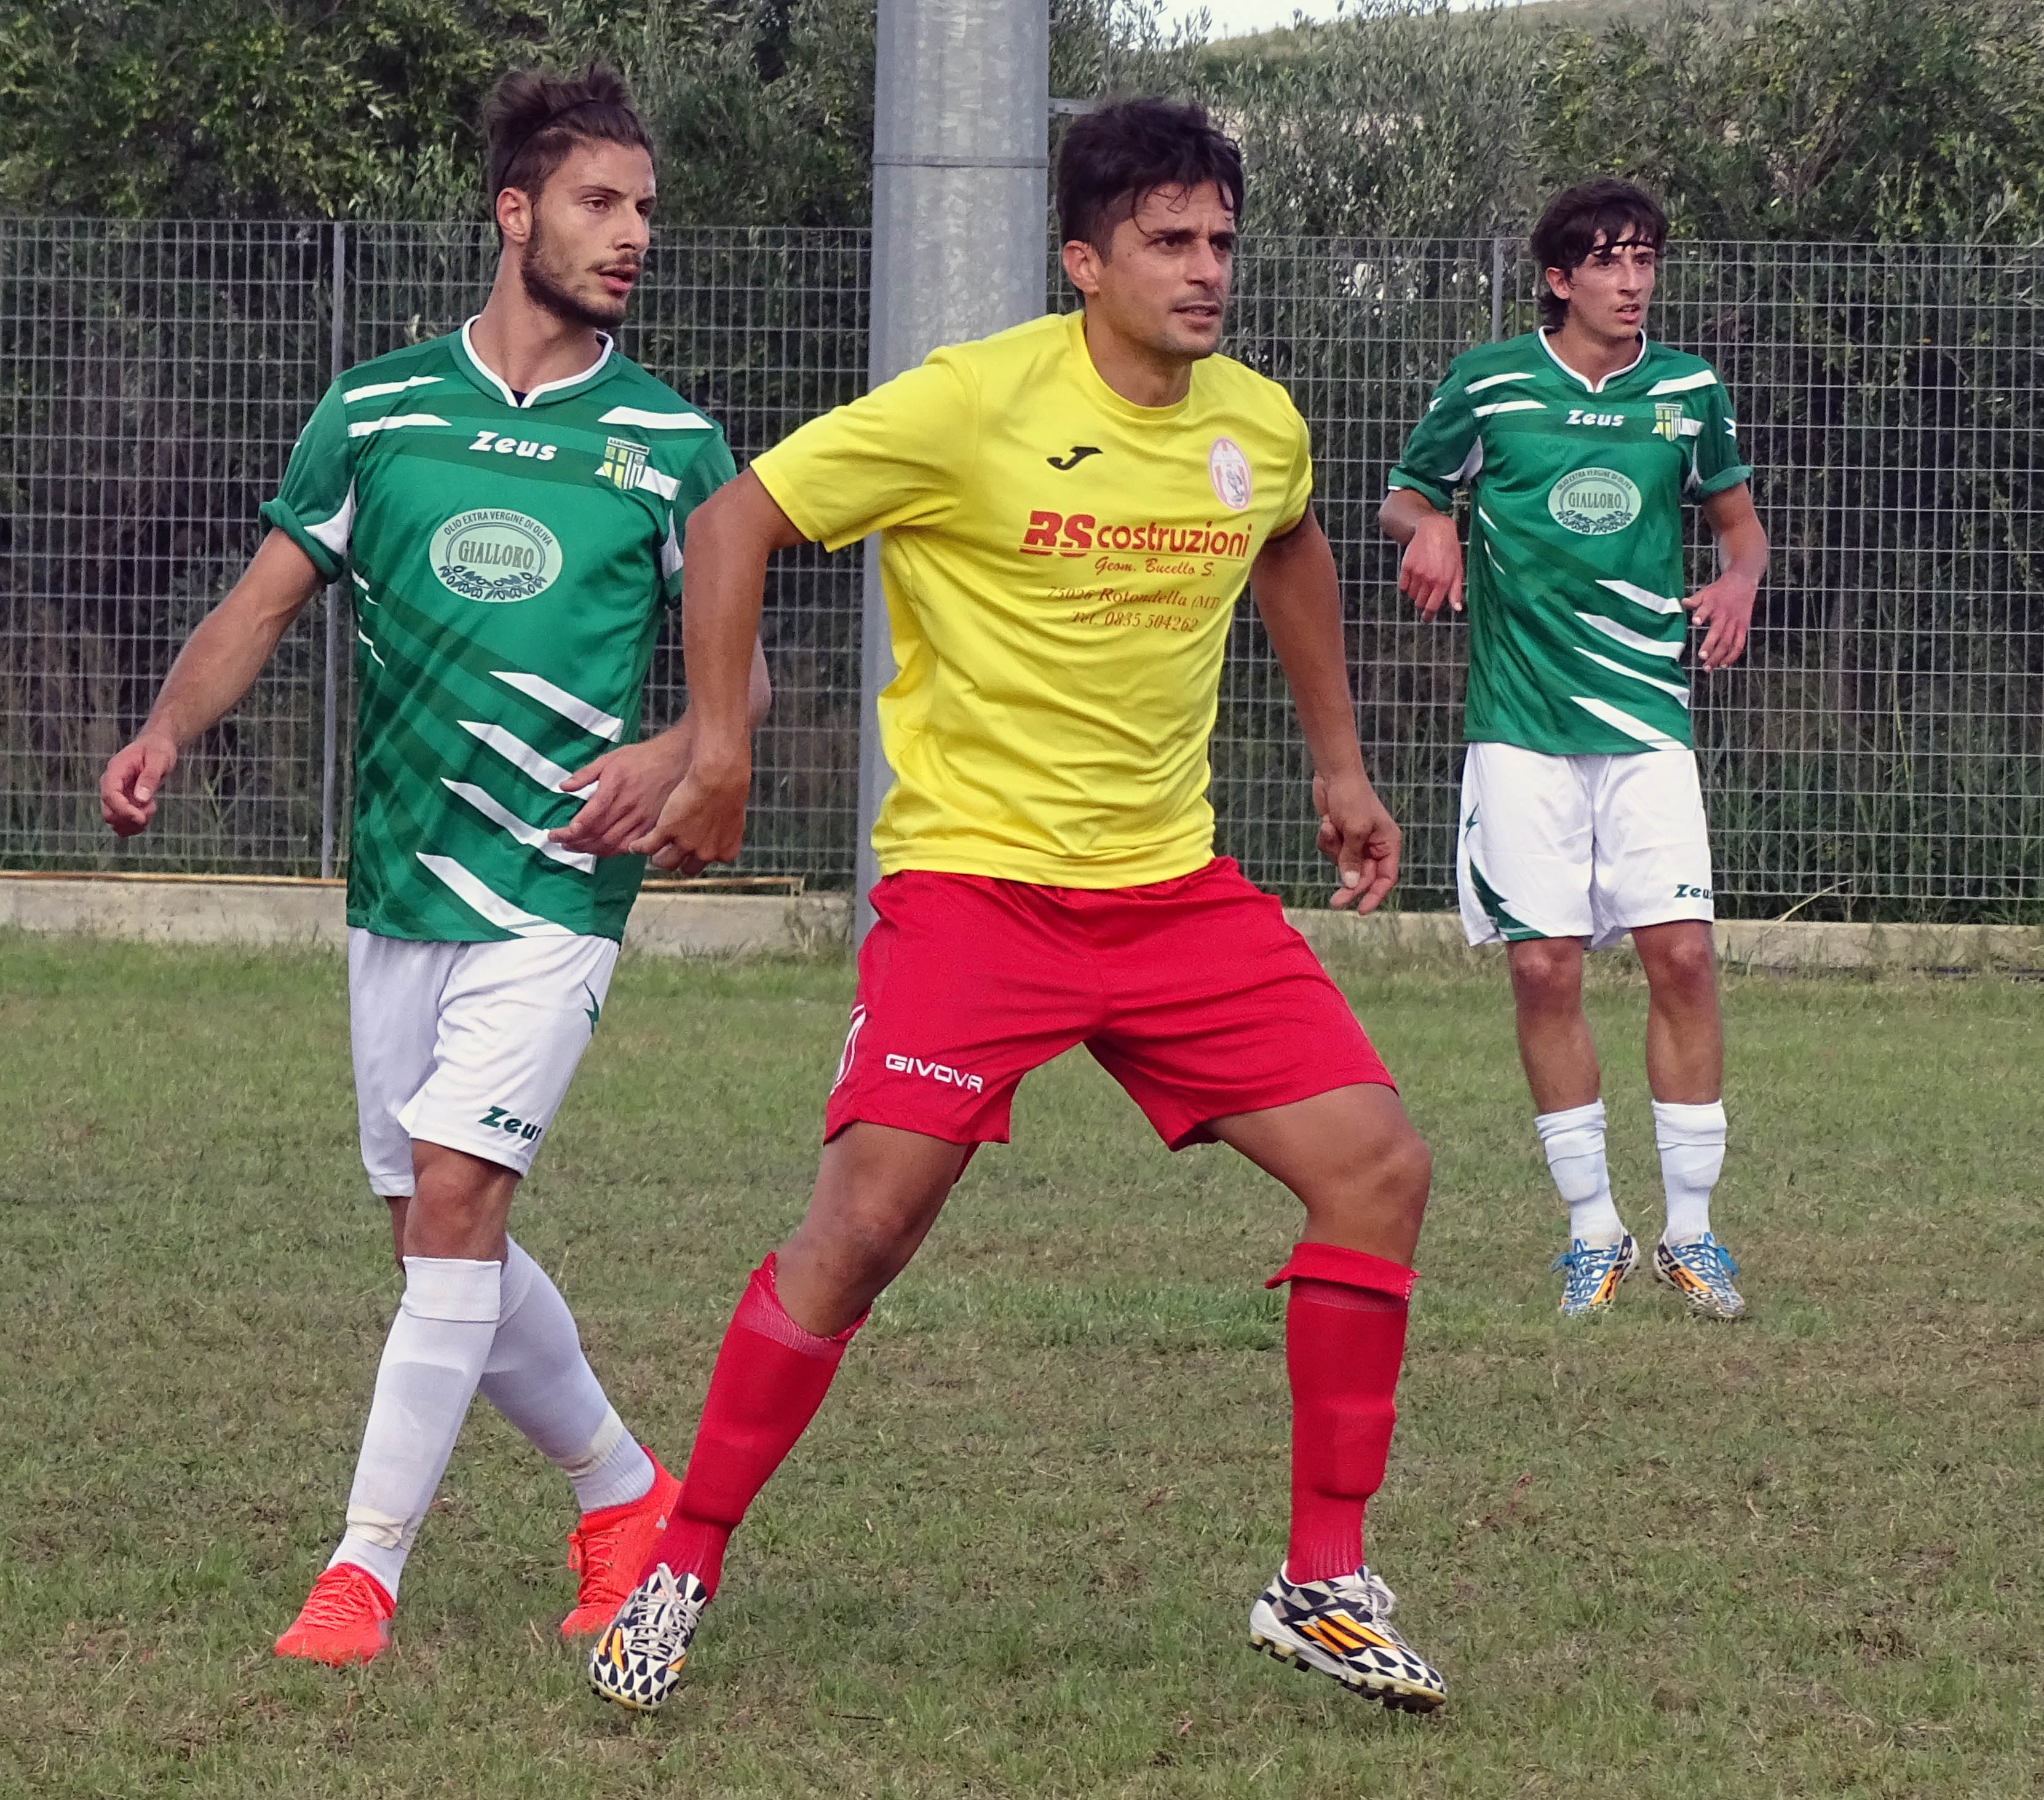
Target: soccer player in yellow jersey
{"x": 1068, "y": 512}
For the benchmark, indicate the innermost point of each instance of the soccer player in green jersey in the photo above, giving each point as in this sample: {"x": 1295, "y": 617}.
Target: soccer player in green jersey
{"x": 1581, "y": 817}
{"x": 504, "y": 505}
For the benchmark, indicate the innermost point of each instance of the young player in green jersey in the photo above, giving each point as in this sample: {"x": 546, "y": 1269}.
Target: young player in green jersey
{"x": 505, "y": 506}
{"x": 1581, "y": 817}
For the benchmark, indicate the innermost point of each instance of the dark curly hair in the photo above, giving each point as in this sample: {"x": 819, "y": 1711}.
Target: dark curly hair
{"x": 1112, "y": 159}
{"x": 533, "y": 120}
{"x": 1577, "y": 217}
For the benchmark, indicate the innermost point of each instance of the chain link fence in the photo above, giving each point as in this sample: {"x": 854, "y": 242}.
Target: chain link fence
{"x": 1876, "y": 755}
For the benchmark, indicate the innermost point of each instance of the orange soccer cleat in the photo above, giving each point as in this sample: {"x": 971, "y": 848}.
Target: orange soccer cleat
{"x": 609, "y": 1548}
{"x": 345, "y": 1619}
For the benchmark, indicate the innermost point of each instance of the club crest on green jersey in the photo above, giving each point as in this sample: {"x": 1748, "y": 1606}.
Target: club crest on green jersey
{"x": 496, "y": 556}
{"x": 622, "y": 461}
{"x": 1593, "y": 502}
{"x": 1667, "y": 417}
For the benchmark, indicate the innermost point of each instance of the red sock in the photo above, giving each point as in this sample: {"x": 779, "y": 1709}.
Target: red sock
{"x": 1344, "y": 1343}
{"x": 770, "y": 1377}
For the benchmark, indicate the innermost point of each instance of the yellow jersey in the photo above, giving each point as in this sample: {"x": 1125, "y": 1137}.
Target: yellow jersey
{"x": 1060, "y": 567}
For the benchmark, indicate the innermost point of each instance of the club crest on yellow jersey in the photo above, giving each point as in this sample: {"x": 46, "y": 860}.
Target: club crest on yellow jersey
{"x": 1228, "y": 469}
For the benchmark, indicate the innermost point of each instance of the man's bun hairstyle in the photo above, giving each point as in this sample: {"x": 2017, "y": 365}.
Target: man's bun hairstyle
{"x": 1574, "y": 220}
{"x": 1113, "y": 159}
{"x": 534, "y": 120}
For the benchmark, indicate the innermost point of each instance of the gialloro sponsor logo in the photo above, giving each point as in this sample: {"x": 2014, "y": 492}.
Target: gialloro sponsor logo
{"x": 495, "y": 556}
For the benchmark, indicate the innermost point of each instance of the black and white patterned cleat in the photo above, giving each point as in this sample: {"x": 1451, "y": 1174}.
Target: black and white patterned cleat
{"x": 1341, "y": 1627}
{"x": 637, "y": 1662}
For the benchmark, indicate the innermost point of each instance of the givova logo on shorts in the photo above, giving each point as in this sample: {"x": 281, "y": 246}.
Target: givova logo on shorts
{"x": 941, "y": 1072}
{"x": 496, "y": 556}
{"x": 1593, "y": 502}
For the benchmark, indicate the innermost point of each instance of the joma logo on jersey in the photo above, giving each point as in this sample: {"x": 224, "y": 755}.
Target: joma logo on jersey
{"x": 1578, "y": 416}
{"x": 1080, "y": 534}
{"x": 941, "y": 1072}
{"x": 490, "y": 444}
{"x": 499, "y": 1118}
{"x": 622, "y": 462}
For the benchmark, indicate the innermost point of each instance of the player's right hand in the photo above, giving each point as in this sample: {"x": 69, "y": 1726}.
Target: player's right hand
{"x": 128, "y": 788}
{"x": 703, "y": 821}
{"x": 1359, "y": 835}
{"x": 1431, "y": 570}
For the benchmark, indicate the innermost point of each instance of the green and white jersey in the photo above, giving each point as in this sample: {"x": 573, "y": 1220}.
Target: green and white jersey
{"x": 1575, "y": 579}
{"x": 509, "y": 559}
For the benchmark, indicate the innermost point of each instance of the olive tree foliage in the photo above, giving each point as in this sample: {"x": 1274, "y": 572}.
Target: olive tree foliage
{"x": 371, "y": 108}
{"x": 764, "y": 107}
{"x": 248, "y": 108}
{"x": 1401, "y": 119}
{"x": 1884, "y": 120}
{"x": 1887, "y": 121}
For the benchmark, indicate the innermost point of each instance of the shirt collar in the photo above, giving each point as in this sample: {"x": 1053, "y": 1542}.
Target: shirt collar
{"x": 1574, "y": 375}
{"x": 488, "y": 377}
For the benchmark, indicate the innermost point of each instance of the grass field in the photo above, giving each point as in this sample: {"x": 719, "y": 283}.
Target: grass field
{"x": 1798, "y": 1555}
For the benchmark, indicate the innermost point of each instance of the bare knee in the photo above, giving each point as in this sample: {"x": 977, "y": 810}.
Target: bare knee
{"x": 1547, "y": 974}
{"x": 877, "y": 1193}
{"x": 459, "y": 1204}
{"x": 1405, "y": 1173}
{"x": 871, "y": 1240}
{"x": 1376, "y": 1198}
{"x": 1682, "y": 969}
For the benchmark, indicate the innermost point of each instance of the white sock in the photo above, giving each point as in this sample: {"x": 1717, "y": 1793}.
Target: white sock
{"x": 538, "y": 1379}
{"x": 1692, "y": 1143}
{"x": 432, "y": 1361}
{"x": 1573, "y": 1141}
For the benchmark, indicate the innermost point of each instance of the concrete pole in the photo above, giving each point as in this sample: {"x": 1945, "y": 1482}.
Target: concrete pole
{"x": 960, "y": 130}
{"x": 336, "y": 598}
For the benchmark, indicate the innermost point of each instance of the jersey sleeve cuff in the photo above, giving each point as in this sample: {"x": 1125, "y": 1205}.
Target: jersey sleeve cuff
{"x": 1722, "y": 479}
{"x": 781, "y": 489}
{"x": 1444, "y": 501}
{"x": 275, "y": 513}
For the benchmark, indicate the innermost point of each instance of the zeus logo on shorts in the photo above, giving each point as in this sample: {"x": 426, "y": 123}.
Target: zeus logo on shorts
{"x": 941, "y": 1072}
{"x": 1688, "y": 890}
{"x": 499, "y": 1120}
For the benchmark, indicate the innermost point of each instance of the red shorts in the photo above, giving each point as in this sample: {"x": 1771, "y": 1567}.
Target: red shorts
{"x": 1194, "y": 994}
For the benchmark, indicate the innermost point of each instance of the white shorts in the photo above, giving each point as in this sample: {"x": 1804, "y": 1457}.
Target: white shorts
{"x": 1579, "y": 847}
{"x": 470, "y": 1046}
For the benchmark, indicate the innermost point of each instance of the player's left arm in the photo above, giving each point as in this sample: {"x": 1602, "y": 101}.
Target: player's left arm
{"x": 1298, "y": 594}
{"x": 1725, "y": 608}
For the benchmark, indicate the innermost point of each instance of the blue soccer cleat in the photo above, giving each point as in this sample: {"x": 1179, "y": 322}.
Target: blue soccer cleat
{"x": 1700, "y": 1272}
{"x": 1593, "y": 1275}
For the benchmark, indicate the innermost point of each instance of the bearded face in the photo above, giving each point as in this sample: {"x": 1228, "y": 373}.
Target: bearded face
{"x": 589, "y": 226}
{"x": 576, "y": 283}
